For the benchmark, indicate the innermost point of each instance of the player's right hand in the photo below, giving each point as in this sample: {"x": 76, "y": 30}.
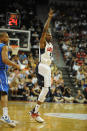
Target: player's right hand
{"x": 18, "y": 67}
{"x": 22, "y": 66}
{"x": 51, "y": 12}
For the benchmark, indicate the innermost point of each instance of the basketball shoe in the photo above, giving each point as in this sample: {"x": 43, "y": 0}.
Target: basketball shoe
{"x": 6, "y": 119}
{"x": 36, "y": 116}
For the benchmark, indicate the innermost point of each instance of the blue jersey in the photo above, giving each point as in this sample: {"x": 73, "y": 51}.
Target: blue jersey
{"x": 3, "y": 66}
{"x": 3, "y": 76}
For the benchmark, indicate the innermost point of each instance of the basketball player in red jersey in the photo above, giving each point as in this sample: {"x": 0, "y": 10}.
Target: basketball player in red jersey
{"x": 44, "y": 70}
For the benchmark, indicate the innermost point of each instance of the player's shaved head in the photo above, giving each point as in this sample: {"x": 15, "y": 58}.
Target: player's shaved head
{"x": 2, "y": 34}
{"x": 4, "y": 38}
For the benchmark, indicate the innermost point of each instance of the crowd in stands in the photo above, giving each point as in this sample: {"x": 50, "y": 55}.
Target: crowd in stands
{"x": 70, "y": 28}
{"x": 24, "y": 84}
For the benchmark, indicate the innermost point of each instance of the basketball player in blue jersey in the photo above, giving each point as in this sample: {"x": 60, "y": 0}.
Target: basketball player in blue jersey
{"x": 44, "y": 69}
{"x": 4, "y": 87}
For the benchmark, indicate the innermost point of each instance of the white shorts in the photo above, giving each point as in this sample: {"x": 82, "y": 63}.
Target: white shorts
{"x": 45, "y": 71}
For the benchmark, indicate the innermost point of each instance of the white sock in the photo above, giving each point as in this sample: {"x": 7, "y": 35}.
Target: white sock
{"x": 5, "y": 111}
{"x": 37, "y": 108}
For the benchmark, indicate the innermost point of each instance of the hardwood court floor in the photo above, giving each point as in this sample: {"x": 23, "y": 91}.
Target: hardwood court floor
{"x": 58, "y": 117}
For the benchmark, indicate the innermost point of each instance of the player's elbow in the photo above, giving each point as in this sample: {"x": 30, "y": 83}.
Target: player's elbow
{"x": 4, "y": 60}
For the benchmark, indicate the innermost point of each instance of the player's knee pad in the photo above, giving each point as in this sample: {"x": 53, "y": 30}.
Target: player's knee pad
{"x": 3, "y": 93}
{"x": 43, "y": 94}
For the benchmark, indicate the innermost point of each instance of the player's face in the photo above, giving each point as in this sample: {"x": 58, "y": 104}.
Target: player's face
{"x": 48, "y": 37}
{"x": 5, "y": 38}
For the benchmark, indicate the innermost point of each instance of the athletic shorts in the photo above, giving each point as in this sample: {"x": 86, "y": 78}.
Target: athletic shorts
{"x": 40, "y": 78}
{"x": 45, "y": 71}
{"x": 4, "y": 81}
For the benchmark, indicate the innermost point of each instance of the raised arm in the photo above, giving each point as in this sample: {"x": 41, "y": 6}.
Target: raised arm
{"x": 46, "y": 26}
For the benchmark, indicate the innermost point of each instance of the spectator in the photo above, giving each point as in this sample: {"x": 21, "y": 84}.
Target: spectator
{"x": 26, "y": 93}
{"x": 22, "y": 56}
{"x": 67, "y": 95}
{"x": 80, "y": 98}
{"x": 58, "y": 96}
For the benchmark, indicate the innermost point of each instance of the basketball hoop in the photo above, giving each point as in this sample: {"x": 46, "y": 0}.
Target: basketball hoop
{"x": 15, "y": 49}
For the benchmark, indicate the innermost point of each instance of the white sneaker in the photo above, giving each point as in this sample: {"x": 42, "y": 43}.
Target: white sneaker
{"x": 39, "y": 119}
{"x": 6, "y": 119}
{"x": 36, "y": 117}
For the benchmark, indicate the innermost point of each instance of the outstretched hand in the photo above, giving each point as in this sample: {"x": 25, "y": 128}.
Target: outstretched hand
{"x": 51, "y": 12}
{"x": 22, "y": 67}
